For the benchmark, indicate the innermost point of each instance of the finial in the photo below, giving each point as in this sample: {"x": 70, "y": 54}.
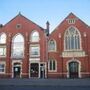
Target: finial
{"x": 19, "y": 13}
{"x": 48, "y": 23}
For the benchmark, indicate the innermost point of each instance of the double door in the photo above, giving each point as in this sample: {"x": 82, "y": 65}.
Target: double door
{"x": 73, "y": 70}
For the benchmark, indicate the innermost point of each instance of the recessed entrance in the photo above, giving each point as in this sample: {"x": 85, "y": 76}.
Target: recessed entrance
{"x": 73, "y": 69}
{"x": 34, "y": 70}
{"x": 16, "y": 70}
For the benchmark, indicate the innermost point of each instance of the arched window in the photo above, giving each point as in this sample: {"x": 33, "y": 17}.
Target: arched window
{"x": 18, "y": 46}
{"x": 72, "y": 39}
{"x": 52, "y": 45}
{"x": 35, "y": 36}
{"x": 3, "y": 38}
{"x": 52, "y": 65}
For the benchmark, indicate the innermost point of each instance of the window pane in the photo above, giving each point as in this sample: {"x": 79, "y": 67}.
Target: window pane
{"x": 76, "y": 47}
{"x": 18, "y": 46}
{"x": 35, "y": 37}
{"x": 34, "y": 51}
{"x": 54, "y": 65}
{"x": 2, "y": 51}
{"x": 72, "y": 39}
{"x": 69, "y": 43}
{"x": 78, "y": 43}
{"x": 50, "y": 65}
{"x": 2, "y": 70}
{"x": 2, "y": 67}
{"x": 72, "y": 42}
{"x": 18, "y": 49}
{"x": 66, "y": 40}
{"x": 52, "y": 45}
{"x": 3, "y": 38}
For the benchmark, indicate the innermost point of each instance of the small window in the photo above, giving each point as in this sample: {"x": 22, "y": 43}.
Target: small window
{"x": 2, "y": 51}
{"x": 35, "y": 37}
{"x": 52, "y": 45}
{"x": 2, "y": 68}
{"x": 3, "y": 38}
{"x": 18, "y": 26}
{"x": 34, "y": 51}
{"x": 71, "y": 21}
{"x": 52, "y": 65}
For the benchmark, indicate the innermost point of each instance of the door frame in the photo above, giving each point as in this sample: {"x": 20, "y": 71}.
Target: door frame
{"x": 37, "y": 70}
{"x": 17, "y": 61}
{"x": 39, "y": 63}
{"x": 17, "y": 66}
{"x": 30, "y": 69}
{"x": 44, "y": 67}
{"x": 79, "y": 67}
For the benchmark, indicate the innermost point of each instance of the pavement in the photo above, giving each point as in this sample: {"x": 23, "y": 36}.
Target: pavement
{"x": 45, "y": 82}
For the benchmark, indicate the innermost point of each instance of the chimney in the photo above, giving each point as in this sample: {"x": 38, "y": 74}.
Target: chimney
{"x": 47, "y": 28}
{"x": 1, "y": 25}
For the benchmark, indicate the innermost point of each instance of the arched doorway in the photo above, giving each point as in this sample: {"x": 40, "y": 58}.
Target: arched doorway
{"x": 16, "y": 70}
{"x": 73, "y": 69}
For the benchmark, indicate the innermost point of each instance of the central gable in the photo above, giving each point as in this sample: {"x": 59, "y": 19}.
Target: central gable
{"x": 70, "y": 20}
{"x": 21, "y": 23}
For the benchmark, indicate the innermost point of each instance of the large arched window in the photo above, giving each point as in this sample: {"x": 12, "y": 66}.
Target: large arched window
{"x": 52, "y": 45}
{"x": 2, "y": 38}
{"x": 72, "y": 39}
{"x": 34, "y": 36}
{"x": 18, "y": 46}
{"x": 52, "y": 65}
{"x": 2, "y": 45}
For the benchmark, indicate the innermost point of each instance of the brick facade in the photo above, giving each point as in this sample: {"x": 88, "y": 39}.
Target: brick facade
{"x": 22, "y": 67}
{"x": 62, "y": 56}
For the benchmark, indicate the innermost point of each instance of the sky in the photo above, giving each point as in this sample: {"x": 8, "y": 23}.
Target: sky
{"x": 41, "y": 11}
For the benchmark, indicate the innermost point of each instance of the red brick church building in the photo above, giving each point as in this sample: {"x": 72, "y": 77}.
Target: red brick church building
{"x": 30, "y": 51}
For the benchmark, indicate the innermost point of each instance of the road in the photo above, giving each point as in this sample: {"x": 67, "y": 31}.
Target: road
{"x": 44, "y": 87}
{"x": 45, "y": 84}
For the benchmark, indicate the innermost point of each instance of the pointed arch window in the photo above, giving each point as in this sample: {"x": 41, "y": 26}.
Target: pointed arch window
{"x": 18, "y": 46}
{"x": 35, "y": 36}
{"x": 52, "y": 45}
{"x": 72, "y": 39}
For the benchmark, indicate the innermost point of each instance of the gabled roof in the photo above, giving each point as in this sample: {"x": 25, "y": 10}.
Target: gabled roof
{"x": 70, "y": 16}
{"x": 21, "y": 16}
